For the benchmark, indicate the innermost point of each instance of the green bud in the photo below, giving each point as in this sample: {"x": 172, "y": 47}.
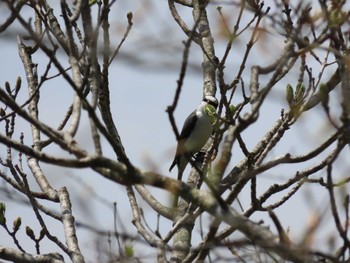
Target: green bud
{"x": 299, "y": 93}
{"x": 2, "y": 219}
{"x": 30, "y": 232}
{"x": 16, "y": 224}
{"x": 129, "y": 251}
{"x": 289, "y": 94}
{"x": 232, "y": 110}
{"x": 129, "y": 17}
{"x": 2, "y": 208}
{"x": 2, "y": 213}
{"x": 18, "y": 84}
{"x": 8, "y": 87}
{"x": 336, "y": 18}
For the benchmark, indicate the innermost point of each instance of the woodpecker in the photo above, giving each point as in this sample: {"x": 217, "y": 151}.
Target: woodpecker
{"x": 195, "y": 133}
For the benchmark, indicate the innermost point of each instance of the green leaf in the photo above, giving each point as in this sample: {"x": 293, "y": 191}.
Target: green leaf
{"x": 289, "y": 94}
{"x": 211, "y": 112}
{"x": 232, "y": 110}
{"x": 210, "y": 109}
{"x": 300, "y": 91}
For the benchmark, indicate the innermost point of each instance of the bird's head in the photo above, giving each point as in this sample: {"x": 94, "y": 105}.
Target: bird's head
{"x": 211, "y": 101}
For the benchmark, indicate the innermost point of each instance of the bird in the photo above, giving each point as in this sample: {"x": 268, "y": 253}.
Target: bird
{"x": 196, "y": 131}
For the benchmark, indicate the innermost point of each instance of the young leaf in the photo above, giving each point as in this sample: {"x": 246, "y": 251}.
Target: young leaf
{"x": 289, "y": 94}
{"x": 232, "y": 110}
{"x": 299, "y": 93}
{"x": 211, "y": 112}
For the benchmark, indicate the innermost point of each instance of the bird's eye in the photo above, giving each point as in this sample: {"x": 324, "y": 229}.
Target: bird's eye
{"x": 212, "y": 102}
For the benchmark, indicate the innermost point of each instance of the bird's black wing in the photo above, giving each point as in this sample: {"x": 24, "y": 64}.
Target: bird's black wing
{"x": 188, "y": 125}
{"x": 185, "y": 133}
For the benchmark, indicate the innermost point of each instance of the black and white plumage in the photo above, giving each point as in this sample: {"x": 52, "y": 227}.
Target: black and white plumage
{"x": 194, "y": 134}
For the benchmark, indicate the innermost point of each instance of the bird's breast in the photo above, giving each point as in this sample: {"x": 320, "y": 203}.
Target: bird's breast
{"x": 201, "y": 133}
